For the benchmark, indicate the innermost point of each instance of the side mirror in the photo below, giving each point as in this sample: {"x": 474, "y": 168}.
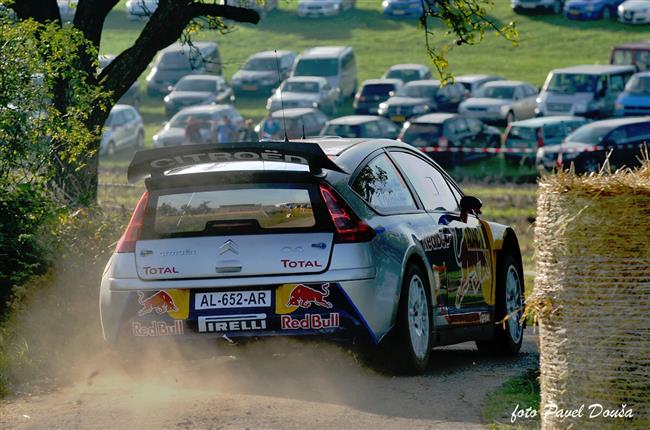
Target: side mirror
{"x": 469, "y": 205}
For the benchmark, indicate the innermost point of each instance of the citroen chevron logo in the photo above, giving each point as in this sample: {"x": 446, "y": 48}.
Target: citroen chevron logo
{"x": 229, "y": 246}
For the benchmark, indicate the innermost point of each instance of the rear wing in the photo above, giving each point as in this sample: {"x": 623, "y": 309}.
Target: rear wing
{"x": 155, "y": 162}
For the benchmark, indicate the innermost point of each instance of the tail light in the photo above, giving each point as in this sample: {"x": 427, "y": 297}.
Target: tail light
{"x": 347, "y": 225}
{"x": 443, "y": 142}
{"x": 540, "y": 138}
{"x": 132, "y": 233}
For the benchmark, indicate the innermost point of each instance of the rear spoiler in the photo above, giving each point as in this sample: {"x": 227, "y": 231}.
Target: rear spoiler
{"x": 155, "y": 162}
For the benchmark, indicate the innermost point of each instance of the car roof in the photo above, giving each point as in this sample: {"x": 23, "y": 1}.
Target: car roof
{"x": 178, "y": 47}
{"x": 354, "y": 119}
{"x": 594, "y": 69}
{"x": 202, "y": 77}
{"x": 504, "y": 84}
{"x": 643, "y": 74}
{"x": 434, "y": 118}
{"x": 423, "y": 82}
{"x": 617, "y": 122}
{"x": 384, "y": 81}
{"x": 271, "y": 54}
{"x": 474, "y": 78}
{"x": 212, "y": 108}
{"x": 120, "y": 107}
{"x": 319, "y": 79}
{"x": 324, "y": 51}
{"x": 407, "y": 66}
{"x": 639, "y": 44}
{"x": 546, "y": 120}
{"x": 292, "y": 113}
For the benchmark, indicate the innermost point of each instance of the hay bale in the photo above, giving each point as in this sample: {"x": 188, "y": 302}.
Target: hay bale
{"x": 592, "y": 296}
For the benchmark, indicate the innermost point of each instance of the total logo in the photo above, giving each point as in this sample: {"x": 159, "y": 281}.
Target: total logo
{"x": 310, "y": 322}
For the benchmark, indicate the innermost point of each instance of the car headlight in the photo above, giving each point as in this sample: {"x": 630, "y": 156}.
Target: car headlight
{"x": 167, "y": 99}
{"x": 621, "y": 9}
{"x": 315, "y": 105}
{"x": 383, "y": 106}
{"x": 384, "y": 4}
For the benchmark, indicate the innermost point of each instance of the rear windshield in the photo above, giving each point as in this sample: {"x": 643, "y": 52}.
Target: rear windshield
{"x": 422, "y": 134}
{"x": 637, "y": 57}
{"x": 405, "y": 75}
{"x": 177, "y": 60}
{"x": 300, "y": 87}
{"x": 593, "y": 134}
{"x": 423, "y": 91}
{"x": 261, "y": 64}
{"x": 639, "y": 85}
{"x": 200, "y": 85}
{"x": 377, "y": 89}
{"x": 504, "y": 93}
{"x": 343, "y": 130}
{"x": 569, "y": 83}
{"x": 317, "y": 67}
{"x": 522, "y": 133}
{"x": 238, "y": 208}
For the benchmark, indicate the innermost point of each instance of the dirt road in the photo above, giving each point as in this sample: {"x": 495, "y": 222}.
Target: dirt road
{"x": 320, "y": 387}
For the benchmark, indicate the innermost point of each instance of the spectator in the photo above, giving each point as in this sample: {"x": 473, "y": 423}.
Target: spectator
{"x": 225, "y": 131}
{"x": 248, "y": 133}
{"x": 193, "y": 131}
{"x": 270, "y": 128}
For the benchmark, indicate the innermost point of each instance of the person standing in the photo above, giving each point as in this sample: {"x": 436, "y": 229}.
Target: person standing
{"x": 225, "y": 130}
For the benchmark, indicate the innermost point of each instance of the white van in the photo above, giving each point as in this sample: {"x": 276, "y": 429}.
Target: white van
{"x": 335, "y": 63}
{"x": 588, "y": 91}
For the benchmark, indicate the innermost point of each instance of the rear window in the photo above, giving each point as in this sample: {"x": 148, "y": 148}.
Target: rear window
{"x": 522, "y": 133}
{"x": 377, "y": 89}
{"x": 177, "y": 61}
{"x": 317, "y": 67}
{"x": 422, "y": 134}
{"x": 405, "y": 75}
{"x": 238, "y": 208}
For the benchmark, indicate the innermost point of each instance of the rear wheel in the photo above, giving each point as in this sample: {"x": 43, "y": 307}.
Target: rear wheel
{"x": 413, "y": 331}
{"x": 508, "y": 336}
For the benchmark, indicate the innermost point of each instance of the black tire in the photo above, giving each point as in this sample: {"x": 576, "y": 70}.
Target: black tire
{"x": 405, "y": 358}
{"x": 505, "y": 341}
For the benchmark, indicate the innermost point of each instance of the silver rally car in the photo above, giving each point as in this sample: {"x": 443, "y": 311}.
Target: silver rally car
{"x": 357, "y": 240}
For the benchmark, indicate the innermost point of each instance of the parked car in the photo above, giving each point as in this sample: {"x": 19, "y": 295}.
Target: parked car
{"x": 300, "y": 122}
{"x": 320, "y": 8}
{"x": 589, "y": 91}
{"x": 634, "y": 12}
{"x": 365, "y": 242}
{"x": 591, "y": 9}
{"x": 635, "y": 54}
{"x": 337, "y": 64}
{"x": 207, "y": 119}
{"x": 554, "y": 6}
{"x": 140, "y": 9}
{"x": 132, "y": 96}
{"x": 123, "y": 128}
{"x": 361, "y": 126}
{"x": 588, "y": 147}
{"x": 473, "y": 83}
{"x": 176, "y": 61}
{"x": 420, "y": 97}
{"x": 304, "y": 92}
{"x": 373, "y": 92}
{"x": 501, "y": 102}
{"x": 262, "y": 8}
{"x": 259, "y": 75}
{"x": 445, "y": 131}
{"x": 195, "y": 90}
{"x": 67, "y": 9}
{"x": 402, "y": 8}
{"x": 635, "y": 100}
{"x": 408, "y": 72}
{"x": 531, "y": 134}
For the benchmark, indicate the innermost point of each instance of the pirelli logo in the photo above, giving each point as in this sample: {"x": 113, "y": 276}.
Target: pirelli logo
{"x": 216, "y": 156}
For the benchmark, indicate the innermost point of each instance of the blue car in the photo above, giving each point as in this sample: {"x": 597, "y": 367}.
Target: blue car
{"x": 591, "y": 9}
{"x": 635, "y": 100}
{"x": 405, "y": 8}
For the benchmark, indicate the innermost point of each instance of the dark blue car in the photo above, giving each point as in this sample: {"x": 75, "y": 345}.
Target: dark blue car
{"x": 402, "y": 8}
{"x": 635, "y": 100}
{"x": 591, "y": 9}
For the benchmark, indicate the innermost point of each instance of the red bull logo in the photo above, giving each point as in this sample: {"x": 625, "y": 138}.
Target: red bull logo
{"x": 157, "y": 328}
{"x": 310, "y": 322}
{"x": 161, "y": 302}
{"x": 304, "y": 296}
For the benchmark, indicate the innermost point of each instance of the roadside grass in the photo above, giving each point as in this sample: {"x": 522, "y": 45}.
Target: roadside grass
{"x": 545, "y": 42}
{"x": 521, "y": 391}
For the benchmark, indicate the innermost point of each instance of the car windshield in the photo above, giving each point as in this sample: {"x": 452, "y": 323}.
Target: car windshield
{"x": 522, "y": 133}
{"x": 639, "y": 85}
{"x": 593, "y": 135}
{"x": 424, "y": 91}
{"x": 569, "y": 83}
{"x": 422, "y": 134}
{"x": 300, "y": 87}
{"x": 201, "y": 85}
{"x": 175, "y": 60}
{"x": 181, "y": 120}
{"x": 317, "y": 67}
{"x": 343, "y": 130}
{"x": 504, "y": 93}
{"x": 404, "y": 74}
{"x": 377, "y": 89}
{"x": 260, "y": 64}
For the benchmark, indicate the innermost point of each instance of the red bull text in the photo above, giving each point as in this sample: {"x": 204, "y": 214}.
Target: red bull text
{"x": 310, "y": 322}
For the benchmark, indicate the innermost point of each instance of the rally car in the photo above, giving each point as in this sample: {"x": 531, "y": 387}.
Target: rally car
{"x": 355, "y": 240}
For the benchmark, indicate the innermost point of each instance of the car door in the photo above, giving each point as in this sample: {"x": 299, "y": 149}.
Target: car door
{"x": 627, "y": 150}
{"x": 457, "y": 251}
{"x": 119, "y": 128}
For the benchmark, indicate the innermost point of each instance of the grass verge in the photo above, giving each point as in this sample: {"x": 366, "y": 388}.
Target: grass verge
{"x": 520, "y": 393}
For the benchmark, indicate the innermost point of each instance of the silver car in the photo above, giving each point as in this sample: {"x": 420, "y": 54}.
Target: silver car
{"x": 501, "y": 102}
{"x": 123, "y": 129}
{"x": 304, "y": 92}
{"x": 354, "y": 240}
{"x": 320, "y": 8}
{"x": 193, "y": 90}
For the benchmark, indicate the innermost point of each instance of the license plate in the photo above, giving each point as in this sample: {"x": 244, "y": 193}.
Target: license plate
{"x": 232, "y": 300}
{"x": 250, "y": 87}
{"x": 398, "y": 118}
